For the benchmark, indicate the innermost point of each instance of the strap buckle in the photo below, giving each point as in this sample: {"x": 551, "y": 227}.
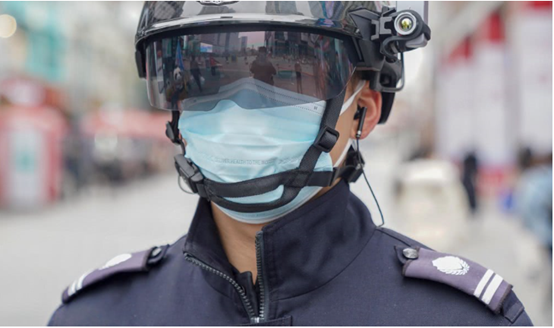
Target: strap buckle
{"x": 172, "y": 130}
{"x": 326, "y": 139}
{"x": 191, "y": 174}
{"x": 358, "y": 164}
{"x": 352, "y": 170}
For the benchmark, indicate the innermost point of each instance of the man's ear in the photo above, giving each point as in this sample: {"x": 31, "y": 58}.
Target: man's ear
{"x": 372, "y": 100}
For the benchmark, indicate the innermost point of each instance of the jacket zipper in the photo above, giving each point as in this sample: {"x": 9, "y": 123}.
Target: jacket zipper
{"x": 245, "y": 301}
{"x": 261, "y": 276}
{"x": 261, "y": 281}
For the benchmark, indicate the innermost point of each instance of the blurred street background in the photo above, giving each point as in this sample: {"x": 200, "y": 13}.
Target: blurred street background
{"x": 464, "y": 164}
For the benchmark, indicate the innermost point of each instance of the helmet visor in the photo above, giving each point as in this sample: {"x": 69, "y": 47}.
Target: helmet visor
{"x": 255, "y": 69}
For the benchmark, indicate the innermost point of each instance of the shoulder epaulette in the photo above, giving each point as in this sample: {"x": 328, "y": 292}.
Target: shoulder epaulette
{"x": 129, "y": 262}
{"x": 460, "y": 273}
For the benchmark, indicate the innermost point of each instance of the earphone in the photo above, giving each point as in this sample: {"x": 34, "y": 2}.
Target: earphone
{"x": 361, "y": 111}
{"x": 360, "y": 114}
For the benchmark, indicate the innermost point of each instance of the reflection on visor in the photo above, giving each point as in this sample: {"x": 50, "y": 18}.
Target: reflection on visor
{"x": 254, "y": 69}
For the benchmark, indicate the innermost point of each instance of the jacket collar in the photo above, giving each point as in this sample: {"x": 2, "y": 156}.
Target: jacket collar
{"x": 302, "y": 250}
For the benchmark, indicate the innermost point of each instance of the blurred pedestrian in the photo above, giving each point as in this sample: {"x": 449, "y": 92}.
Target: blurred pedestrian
{"x": 298, "y": 70}
{"x": 195, "y": 72}
{"x": 213, "y": 64}
{"x": 469, "y": 180}
{"x": 533, "y": 198}
{"x": 262, "y": 68}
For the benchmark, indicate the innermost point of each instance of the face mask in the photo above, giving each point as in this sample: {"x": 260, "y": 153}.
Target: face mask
{"x": 231, "y": 144}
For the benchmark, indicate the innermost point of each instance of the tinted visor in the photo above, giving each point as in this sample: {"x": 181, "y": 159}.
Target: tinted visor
{"x": 255, "y": 69}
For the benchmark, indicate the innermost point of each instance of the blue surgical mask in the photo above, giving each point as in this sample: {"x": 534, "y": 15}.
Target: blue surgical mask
{"x": 231, "y": 144}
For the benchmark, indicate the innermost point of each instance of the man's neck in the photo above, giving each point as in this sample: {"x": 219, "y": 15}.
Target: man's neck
{"x": 239, "y": 238}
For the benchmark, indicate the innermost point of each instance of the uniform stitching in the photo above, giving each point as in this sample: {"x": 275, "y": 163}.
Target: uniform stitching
{"x": 382, "y": 230}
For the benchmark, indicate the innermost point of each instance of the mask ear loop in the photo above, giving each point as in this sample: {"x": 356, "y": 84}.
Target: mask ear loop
{"x": 347, "y": 103}
{"x": 358, "y": 135}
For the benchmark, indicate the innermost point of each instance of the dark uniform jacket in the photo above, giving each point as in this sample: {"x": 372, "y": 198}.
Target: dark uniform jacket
{"x": 325, "y": 263}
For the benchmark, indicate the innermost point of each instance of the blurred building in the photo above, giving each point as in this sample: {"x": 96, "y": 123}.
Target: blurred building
{"x": 82, "y": 48}
{"x": 493, "y": 97}
{"x": 69, "y": 60}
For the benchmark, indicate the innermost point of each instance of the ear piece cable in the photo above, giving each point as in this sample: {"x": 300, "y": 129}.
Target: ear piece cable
{"x": 358, "y": 135}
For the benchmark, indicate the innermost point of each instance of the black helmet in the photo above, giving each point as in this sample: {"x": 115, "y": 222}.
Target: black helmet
{"x": 372, "y": 32}
{"x": 304, "y": 52}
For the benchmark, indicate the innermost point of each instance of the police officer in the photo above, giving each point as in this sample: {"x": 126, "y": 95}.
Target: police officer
{"x": 278, "y": 238}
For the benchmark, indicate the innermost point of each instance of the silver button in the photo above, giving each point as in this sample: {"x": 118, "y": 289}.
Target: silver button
{"x": 410, "y": 253}
{"x": 155, "y": 252}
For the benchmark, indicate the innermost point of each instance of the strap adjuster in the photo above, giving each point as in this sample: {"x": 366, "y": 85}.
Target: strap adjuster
{"x": 172, "y": 128}
{"x": 170, "y": 133}
{"x": 191, "y": 174}
{"x": 326, "y": 139}
{"x": 357, "y": 161}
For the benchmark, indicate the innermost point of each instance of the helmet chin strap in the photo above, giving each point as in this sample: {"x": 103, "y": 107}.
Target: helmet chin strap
{"x": 336, "y": 164}
{"x": 292, "y": 181}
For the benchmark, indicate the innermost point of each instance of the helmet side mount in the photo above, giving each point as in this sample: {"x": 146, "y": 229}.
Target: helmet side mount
{"x": 384, "y": 38}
